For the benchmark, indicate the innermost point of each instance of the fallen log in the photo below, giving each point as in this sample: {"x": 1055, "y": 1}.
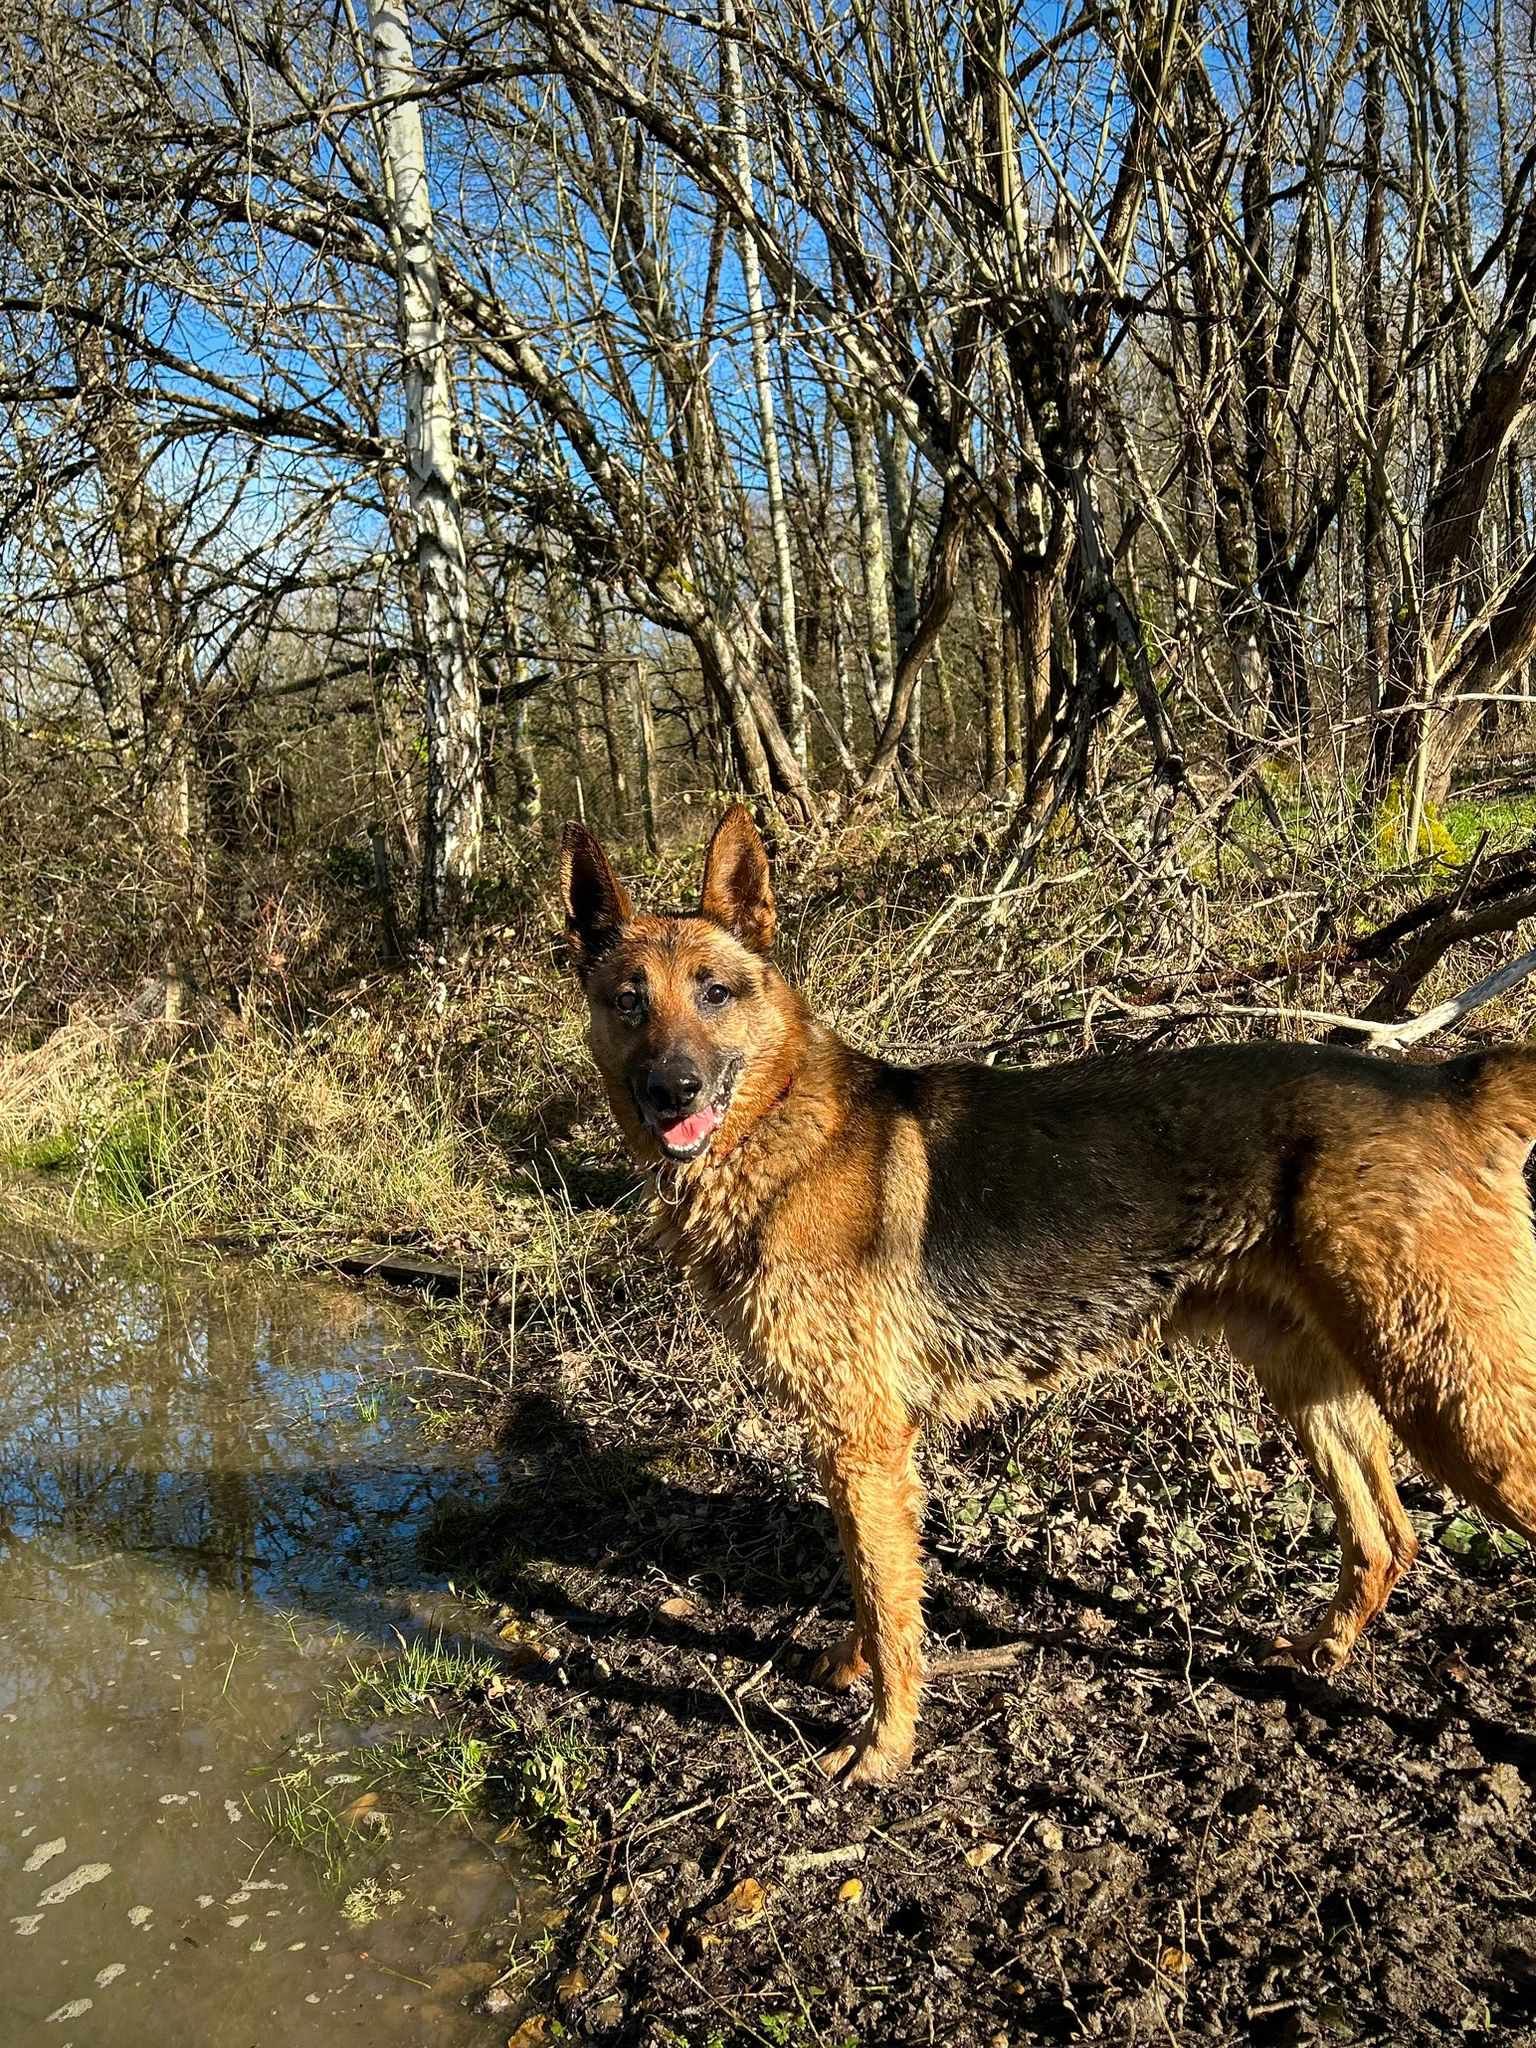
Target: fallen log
{"x": 1508, "y": 880}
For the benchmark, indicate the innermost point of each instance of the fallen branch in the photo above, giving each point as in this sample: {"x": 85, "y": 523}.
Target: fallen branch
{"x": 967, "y": 1663}
{"x": 802, "y": 1860}
{"x": 1452, "y": 1010}
{"x": 1508, "y": 881}
{"x": 1456, "y": 924}
{"x": 1379, "y": 1034}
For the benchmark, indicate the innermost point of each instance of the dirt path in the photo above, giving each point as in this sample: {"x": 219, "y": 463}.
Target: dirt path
{"x": 1139, "y": 1833}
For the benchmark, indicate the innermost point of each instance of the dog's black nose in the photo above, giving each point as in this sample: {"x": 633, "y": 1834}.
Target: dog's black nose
{"x": 672, "y": 1089}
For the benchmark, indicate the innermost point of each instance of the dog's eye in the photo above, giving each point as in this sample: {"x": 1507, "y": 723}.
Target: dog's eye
{"x": 716, "y": 994}
{"x": 627, "y": 1001}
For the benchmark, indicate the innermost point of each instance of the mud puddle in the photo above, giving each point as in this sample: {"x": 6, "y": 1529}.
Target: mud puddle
{"x": 209, "y": 1505}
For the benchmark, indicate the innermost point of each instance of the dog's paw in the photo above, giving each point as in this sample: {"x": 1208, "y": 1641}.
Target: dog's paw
{"x": 867, "y": 1760}
{"x": 841, "y": 1666}
{"x": 1320, "y": 1650}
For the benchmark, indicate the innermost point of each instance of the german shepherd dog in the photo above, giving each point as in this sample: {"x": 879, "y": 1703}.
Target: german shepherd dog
{"x": 893, "y": 1243}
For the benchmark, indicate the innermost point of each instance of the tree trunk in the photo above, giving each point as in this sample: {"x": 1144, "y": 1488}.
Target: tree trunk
{"x": 614, "y": 720}
{"x": 527, "y": 790}
{"x": 455, "y": 765}
{"x": 989, "y": 660}
{"x": 157, "y": 642}
{"x": 900, "y": 510}
{"x": 1376, "y": 557}
{"x": 645, "y": 747}
{"x": 150, "y": 600}
{"x": 872, "y": 557}
{"x": 1288, "y": 711}
{"x": 734, "y": 112}
{"x": 1504, "y": 642}
{"x": 1029, "y": 697}
{"x": 1499, "y": 401}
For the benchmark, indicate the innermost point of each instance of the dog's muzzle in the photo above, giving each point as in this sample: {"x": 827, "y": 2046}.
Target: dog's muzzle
{"x": 683, "y": 1124}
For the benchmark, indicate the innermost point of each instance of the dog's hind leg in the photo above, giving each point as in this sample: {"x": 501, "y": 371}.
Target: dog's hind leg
{"x": 1348, "y": 1446}
{"x": 872, "y": 1488}
{"x": 1423, "y": 1270}
{"x": 1345, "y": 1439}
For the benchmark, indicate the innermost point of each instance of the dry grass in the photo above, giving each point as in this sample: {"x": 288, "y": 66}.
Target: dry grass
{"x": 331, "y": 1135}
{"x": 319, "y": 1138}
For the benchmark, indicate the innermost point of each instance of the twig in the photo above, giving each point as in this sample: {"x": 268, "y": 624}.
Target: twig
{"x": 1376, "y": 1032}
{"x": 643, "y": 1831}
{"x": 963, "y": 1663}
{"x": 768, "y": 1768}
{"x": 1455, "y": 1007}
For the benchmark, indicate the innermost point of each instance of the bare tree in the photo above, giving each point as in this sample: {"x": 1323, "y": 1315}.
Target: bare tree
{"x": 455, "y": 783}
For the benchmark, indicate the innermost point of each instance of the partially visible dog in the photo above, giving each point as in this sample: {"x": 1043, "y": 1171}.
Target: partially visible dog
{"x": 888, "y": 1243}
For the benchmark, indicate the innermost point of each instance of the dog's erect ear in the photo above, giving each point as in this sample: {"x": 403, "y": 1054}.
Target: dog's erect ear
{"x": 737, "y": 892}
{"x": 597, "y": 904}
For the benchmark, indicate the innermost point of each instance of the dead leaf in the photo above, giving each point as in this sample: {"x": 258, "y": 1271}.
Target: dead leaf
{"x": 677, "y": 1609}
{"x": 1234, "y": 1478}
{"x": 530, "y": 2033}
{"x": 742, "y": 1904}
{"x": 458, "y": 1980}
{"x": 522, "y": 1651}
{"x": 364, "y": 1813}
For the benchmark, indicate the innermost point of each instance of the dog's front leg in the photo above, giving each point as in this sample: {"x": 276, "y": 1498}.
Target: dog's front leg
{"x": 872, "y": 1487}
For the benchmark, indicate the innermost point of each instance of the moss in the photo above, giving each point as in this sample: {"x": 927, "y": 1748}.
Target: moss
{"x": 1434, "y": 839}
{"x": 115, "y": 1146}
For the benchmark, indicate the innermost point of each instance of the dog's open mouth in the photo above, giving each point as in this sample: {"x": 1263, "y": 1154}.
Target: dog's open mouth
{"x": 691, "y": 1133}
{"x": 688, "y": 1137}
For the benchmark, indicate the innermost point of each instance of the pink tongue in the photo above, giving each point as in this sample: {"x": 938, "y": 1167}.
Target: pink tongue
{"x": 681, "y": 1135}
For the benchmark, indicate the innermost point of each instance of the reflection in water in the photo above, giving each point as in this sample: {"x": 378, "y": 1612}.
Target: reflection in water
{"x": 203, "y": 1509}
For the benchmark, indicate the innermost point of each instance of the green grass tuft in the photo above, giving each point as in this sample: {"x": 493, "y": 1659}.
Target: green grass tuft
{"x": 398, "y": 1684}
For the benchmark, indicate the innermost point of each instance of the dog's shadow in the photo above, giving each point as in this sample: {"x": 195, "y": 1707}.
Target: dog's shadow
{"x": 664, "y": 1563}
{"x": 657, "y": 1558}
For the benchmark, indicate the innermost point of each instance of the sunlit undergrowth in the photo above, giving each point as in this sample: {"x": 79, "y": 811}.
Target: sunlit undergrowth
{"x": 398, "y": 1683}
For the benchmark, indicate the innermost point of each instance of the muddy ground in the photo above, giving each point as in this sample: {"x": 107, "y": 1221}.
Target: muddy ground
{"x": 1141, "y": 1831}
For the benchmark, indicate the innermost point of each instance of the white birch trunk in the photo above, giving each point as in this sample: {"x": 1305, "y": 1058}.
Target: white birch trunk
{"x": 751, "y": 270}
{"x": 872, "y": 560}
{"x": 645, "y": 742}
{"x": 455, "y": 769}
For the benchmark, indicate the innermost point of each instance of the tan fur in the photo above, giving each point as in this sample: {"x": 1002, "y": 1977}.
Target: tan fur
{"x": 1373, "y": 1257}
